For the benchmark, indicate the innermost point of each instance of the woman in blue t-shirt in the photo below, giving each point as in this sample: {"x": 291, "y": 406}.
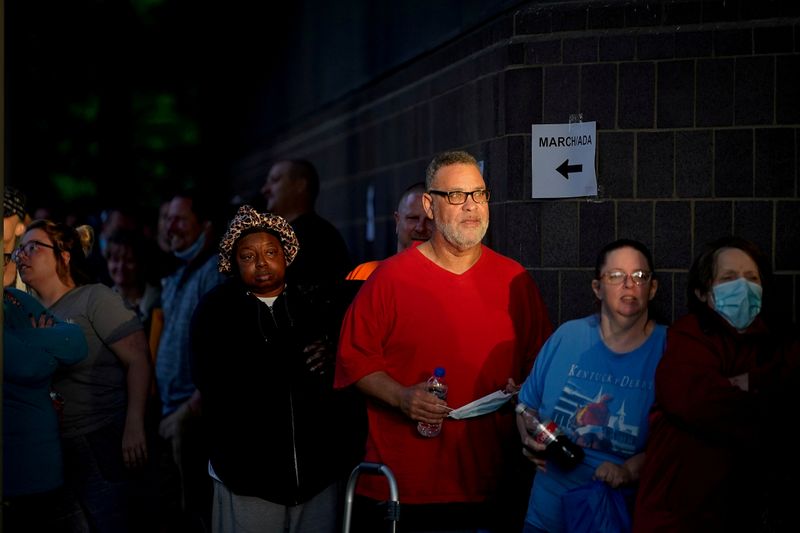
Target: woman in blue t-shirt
{"x": 594, "y": 379}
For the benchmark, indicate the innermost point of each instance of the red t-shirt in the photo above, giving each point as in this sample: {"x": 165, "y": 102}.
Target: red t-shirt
{"x": 483, "y": 326}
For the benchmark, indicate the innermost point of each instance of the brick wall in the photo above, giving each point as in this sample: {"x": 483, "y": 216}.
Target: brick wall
{"x": 697, "y": 114}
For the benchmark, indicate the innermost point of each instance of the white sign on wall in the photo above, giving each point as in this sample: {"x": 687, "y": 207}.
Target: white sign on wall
{"x": 563, "y": 160}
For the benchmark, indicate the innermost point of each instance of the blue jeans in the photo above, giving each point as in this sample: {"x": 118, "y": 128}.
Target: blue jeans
{"x": 96, "y": 478}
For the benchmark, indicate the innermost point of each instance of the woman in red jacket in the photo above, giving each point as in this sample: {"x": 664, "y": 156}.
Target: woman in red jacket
{"x": 708, "y": 457}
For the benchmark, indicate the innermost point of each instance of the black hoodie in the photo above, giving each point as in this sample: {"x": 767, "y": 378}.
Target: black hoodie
{"x": 276, "y": 430}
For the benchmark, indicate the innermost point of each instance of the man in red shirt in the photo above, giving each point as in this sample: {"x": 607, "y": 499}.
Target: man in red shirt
{"x": 449, "y": 302}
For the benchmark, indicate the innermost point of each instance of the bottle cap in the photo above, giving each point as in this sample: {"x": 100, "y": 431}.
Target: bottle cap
{"x": 439, "y": 372}
{"x": 520, "y": 408}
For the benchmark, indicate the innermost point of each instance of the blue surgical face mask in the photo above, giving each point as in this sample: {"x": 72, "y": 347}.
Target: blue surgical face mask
{"x": 191, "y": 252}
{"x": 738, "y": 301}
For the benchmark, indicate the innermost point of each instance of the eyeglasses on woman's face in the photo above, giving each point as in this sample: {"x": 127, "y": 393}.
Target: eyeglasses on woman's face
{"x": 618, "y": 277}
{"x": 29, "y": 248}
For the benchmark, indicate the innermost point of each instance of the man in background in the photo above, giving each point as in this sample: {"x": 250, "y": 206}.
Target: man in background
{"x": 190, "y": 230}
{"x": 412, "y": 226}
{"x": 291, "y": 191}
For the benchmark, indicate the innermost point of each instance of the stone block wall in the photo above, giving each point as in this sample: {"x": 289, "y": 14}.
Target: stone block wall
{"x": 697, "y": 114}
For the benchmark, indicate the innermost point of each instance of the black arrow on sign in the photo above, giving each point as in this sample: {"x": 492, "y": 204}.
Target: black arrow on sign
{"x": 565, "y": 168}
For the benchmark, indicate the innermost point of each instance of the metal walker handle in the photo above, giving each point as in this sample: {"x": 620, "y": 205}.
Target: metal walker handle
{"x": 393, "y": 505}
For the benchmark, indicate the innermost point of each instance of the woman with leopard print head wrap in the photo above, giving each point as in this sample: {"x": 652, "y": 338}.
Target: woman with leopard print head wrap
{"x": 282, "y": 441}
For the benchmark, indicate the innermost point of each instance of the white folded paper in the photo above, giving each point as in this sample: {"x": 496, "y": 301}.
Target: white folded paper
{"x": 488, "y": 404}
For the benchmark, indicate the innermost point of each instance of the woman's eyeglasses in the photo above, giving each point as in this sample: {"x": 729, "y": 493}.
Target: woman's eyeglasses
{"x": 29, "y": 248}
{"x": 618, "y": 277}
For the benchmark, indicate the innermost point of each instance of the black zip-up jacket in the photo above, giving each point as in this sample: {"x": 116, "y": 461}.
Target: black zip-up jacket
{"x": 276, "y": 430}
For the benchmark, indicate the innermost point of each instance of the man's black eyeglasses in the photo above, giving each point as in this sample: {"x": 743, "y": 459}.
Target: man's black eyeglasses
{"x": 479, "y": 196}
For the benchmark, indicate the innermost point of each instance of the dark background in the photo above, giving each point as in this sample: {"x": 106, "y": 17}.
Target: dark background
{"x": 698, "y": 126}
{"x": 141, "y": 96}
{"x": 144, "y": 96}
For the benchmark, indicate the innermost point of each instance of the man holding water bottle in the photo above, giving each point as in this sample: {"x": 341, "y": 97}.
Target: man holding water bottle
{"x": 450, "y": 302}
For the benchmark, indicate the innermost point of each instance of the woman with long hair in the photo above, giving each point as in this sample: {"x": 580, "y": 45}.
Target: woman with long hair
{"x": 103, "y": 426}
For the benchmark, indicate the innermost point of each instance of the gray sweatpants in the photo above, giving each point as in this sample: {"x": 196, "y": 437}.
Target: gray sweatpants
{"x": 232, "y": 513}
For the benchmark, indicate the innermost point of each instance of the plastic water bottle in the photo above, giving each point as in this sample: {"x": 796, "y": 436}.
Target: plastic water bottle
{"x": 437, "y": 386}
{"x": 559, "y": 448}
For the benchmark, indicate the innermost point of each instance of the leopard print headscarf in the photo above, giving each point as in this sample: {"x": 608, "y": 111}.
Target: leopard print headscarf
{"x": 248, "y": 218}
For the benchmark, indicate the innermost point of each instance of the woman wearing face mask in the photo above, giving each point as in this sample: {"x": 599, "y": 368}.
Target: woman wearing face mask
{"x": 716, "y": 410}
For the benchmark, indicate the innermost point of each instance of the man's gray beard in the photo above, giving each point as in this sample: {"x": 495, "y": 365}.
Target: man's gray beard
{"x": 457, "y": 239}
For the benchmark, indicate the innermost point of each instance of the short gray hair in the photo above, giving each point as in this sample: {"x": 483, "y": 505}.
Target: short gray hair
{"x": 445, "y": 159}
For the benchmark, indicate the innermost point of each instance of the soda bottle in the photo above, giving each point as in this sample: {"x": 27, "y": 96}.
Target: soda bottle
{"x": 559, "y": 449}
{"x": 437, "y": 386}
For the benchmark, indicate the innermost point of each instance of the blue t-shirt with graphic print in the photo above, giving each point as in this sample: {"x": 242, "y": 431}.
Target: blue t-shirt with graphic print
{"x": 600, "y": 399}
